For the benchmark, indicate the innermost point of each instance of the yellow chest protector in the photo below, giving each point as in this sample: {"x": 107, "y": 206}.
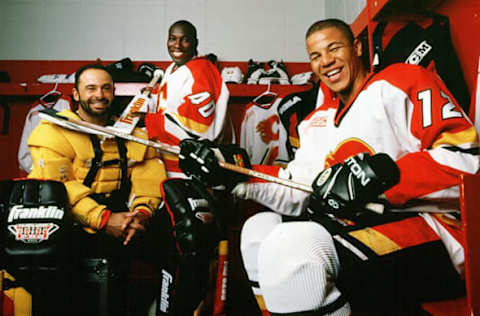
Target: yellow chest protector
{"x": 91, "y": 166}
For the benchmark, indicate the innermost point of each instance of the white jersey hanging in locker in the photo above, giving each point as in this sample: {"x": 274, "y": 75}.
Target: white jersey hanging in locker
{"x": 261, "y": 133}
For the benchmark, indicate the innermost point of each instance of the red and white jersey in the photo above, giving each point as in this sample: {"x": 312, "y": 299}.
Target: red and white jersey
{"x": 31, "y": 121}
{"x": 262, "y": 135}
{"x": 191, "y": 102}
{"x": 416, "y": 122}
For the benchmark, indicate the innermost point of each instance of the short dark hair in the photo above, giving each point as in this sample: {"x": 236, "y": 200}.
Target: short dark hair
{"x": 336, "y": 23}
{"x": 189, "y": 27}
{"x": 80, "y": 70}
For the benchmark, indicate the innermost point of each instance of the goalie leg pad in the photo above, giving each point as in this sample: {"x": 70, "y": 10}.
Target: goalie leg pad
{"x": 185, "y": 277}
{"x": 191, "y": 210}
{"x": 37, "y": 221}
{"x": 36, "y": 224}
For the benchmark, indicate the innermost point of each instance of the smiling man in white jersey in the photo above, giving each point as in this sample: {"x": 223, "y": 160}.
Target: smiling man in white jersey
{"x": 348, "y": 257}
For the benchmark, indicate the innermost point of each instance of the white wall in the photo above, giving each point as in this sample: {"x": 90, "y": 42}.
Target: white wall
{"x": 346, "y": 10}
{"x": 114, "y": 29}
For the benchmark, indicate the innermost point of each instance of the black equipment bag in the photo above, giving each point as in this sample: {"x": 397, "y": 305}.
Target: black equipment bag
{"x": 422, "y": 39}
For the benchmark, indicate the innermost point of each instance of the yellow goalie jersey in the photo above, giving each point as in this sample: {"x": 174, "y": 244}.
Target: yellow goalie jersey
{"x": 67, "y": 156}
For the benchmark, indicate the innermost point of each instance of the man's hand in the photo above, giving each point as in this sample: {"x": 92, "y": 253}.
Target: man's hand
{"x": 139, "y": 222}
{"x": 345, "y": 188}
{"x": 125, "y": 225}
{"x": 199, "y": 159}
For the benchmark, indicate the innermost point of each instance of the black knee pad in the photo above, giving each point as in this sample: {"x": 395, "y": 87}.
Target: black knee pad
{"x": 35, "y": 225}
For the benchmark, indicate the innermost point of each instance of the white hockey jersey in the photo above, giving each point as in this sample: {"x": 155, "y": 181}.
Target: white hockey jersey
{"x": 190, "y": 102}
{"x": 262, "y": 135}
{"x": 31, "y": 121}
{"x": 416, "y": 122}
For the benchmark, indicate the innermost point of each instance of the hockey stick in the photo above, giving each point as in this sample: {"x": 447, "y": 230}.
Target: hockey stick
{"x": 86, "y": 127}
{"x": 128, "y": 120}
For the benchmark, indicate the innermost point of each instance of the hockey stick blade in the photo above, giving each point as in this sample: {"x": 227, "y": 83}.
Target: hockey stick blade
{"x": 139, "y": 104}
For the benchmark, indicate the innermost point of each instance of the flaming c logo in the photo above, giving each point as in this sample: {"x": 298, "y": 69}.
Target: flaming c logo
{"x": 266, "y": 129}
{"x": 345, "y": 149}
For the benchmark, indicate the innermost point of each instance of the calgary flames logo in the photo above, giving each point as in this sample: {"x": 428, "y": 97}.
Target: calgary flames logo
{"x": 266, "y": 129}
{"x": 345, "y": 149}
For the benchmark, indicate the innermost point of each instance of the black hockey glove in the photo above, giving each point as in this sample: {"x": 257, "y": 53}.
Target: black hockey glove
{"x": 199, "y": 159}
{"x": 345, "y": 188}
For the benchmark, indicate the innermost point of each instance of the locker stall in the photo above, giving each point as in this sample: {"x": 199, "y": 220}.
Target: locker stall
{"x": 464, "y": 20}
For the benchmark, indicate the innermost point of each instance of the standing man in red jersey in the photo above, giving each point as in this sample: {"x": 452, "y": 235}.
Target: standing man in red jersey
{"x": 191, "y": 101}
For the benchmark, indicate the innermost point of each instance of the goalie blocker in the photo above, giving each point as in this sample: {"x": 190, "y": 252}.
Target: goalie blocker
{"x": 185, "y": 277}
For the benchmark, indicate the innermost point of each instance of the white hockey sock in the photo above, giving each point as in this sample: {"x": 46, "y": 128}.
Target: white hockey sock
{"x": 297, "y": 268}
{"x": 254, "y": 231}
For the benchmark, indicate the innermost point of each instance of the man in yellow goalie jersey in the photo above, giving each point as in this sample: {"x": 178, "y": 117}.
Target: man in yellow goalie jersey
{"x": 113, "y": 185}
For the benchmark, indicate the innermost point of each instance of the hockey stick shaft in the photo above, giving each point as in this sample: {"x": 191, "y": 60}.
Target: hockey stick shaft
{"x": 266, "y": 177}
{"x": 157, "y": 74}
{"x": 86, "y": 127}
{"x": 51, "y": 116}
